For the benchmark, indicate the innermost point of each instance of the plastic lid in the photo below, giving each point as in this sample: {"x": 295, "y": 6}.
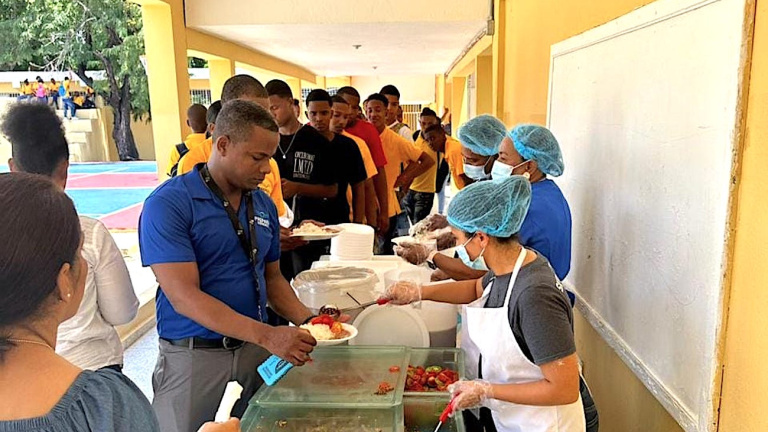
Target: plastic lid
{"x": 335, "y": 278}
{"x": 391, "y": 325}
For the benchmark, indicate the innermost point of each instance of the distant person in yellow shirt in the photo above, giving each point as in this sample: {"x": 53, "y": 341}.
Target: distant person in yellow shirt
{"x": 399, "y": 152}
{"x": 53, "y": 93}
{"x": 420, "y": 198}
{"x": 197, "y": 122}
{"x": 341, "y": 111}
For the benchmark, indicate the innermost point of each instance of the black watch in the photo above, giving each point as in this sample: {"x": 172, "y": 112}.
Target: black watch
{"x": 306, "y": 321}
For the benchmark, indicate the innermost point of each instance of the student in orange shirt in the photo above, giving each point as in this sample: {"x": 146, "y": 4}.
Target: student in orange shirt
{"x": 399, "y": 152}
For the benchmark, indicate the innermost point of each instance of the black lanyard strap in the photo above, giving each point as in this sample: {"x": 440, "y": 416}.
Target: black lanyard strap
{"x": 249, "y": 243}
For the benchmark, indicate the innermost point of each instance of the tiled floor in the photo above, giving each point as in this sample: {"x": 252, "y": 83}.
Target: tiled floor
{"x": 139, "y": 361}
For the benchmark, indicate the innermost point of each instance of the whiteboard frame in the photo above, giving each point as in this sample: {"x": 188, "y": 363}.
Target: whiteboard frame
{"x": 641, "y": 18}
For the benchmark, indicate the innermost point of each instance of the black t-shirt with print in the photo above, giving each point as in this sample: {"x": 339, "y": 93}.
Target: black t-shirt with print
{"x": 306, "y": 157}
{"x": 351, "y": 170}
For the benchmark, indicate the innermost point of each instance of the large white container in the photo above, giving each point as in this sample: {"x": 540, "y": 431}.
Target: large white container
{"x": 441, "y": 319}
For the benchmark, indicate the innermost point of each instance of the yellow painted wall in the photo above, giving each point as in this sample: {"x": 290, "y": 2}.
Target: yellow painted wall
{"x": 745, "y": 379}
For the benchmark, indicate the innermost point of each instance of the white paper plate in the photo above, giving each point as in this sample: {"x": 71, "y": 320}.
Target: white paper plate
{"x": 391, "y": 325}
{"x": 334, "y": 232}
{"x": 352, "y": 334}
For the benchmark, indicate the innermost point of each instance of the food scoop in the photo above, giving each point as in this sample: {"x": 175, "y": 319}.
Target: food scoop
{"x": 446, "y": 413}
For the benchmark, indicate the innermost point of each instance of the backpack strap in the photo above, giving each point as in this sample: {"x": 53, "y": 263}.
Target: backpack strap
{"x": 182, "y": 149}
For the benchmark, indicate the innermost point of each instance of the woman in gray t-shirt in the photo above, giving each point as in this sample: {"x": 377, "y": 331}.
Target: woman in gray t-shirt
{"x": 517, "y": 321}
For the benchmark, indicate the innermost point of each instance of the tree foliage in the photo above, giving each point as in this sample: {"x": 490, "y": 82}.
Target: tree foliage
{"x": 82, "y": 35}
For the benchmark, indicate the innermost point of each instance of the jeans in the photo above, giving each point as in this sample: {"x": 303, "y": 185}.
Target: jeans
{"x": 385, "y": 246}
{"x": 418, "y": 205}
{"x": 441, "y": 196}
{"x": 69, "y": 104}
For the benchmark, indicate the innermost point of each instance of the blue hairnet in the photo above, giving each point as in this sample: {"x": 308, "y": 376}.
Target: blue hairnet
{"x": 537, "y": 143}
{"x": 482, "y": 135}
{"x": 496, "y": 208}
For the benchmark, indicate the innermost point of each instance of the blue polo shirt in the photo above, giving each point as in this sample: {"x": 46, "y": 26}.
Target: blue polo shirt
{"x": 183, "y": 221}
{"x": 547, "y": 226}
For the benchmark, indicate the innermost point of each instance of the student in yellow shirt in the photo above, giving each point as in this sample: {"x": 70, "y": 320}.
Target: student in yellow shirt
{"x": 440, "y": 142}
{"x": 339, "y": 119}
{"x": 420, "y": 198}
{"x": 399, "y": 152}
{"x": 238, "y": 87}
{"x": 197, "y": 122}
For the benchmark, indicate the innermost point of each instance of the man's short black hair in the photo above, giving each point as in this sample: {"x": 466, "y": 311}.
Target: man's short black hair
{"x": 338, "y": 99}
{"x": 390, "y": 90}
{"x": 242, "y": 85}
{"x": 238, "y": 116}
{"x": 347, "y": 90}
{"x": 279, "y": 88}
{"x": 37, "y": 138}
{"x": 377, "y": 97}
{"x": 319, "y": 95}
{"x": 213, "y": 112}
{"x": 434, "y": 128}
{"x": 428, "y": 112}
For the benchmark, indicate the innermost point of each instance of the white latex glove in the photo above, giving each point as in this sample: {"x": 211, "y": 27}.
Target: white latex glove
{"x": 414, "y": 253}
{"x": 403, "y": 293}
{"x": 470, "y": 394}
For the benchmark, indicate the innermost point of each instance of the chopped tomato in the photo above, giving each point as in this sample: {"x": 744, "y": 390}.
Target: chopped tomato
{"x": 394, "y": 369}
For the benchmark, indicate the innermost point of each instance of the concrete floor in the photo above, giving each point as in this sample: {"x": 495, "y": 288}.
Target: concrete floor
{"x": 139, "y": 361}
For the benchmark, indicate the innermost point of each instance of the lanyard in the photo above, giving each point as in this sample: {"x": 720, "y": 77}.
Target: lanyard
{"x": 249, "y": 244}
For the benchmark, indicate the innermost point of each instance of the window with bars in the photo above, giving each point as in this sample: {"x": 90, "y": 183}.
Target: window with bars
{"x": 411, "y": 115}
{"x": 202, "y": 97}
{"x": 305, "y": 92}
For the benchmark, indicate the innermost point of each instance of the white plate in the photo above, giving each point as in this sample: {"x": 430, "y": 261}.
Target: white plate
{"x": 404, "y": 239}
{"x": 391, "y": 325}
{"x": 334, "y": 232}
{"x": 352, "y": 334}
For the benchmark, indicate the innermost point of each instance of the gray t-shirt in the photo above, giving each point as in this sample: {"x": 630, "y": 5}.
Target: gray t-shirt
{"x": 540, "y": 314}
{"x": 104, "y": 401}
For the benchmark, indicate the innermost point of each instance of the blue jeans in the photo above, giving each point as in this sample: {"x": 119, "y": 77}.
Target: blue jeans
{"x": 418, "y": 205}
{"x": 441, "y": 196}
{"x": 69, "y": 104}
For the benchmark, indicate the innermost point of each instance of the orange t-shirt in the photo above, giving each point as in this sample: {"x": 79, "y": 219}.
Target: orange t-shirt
{"x": 398, "y": 150}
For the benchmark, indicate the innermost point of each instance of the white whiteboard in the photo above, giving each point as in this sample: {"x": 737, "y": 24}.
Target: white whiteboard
{"x": 645, "y": 109}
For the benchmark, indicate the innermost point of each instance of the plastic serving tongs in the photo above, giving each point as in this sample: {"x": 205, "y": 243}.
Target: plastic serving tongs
{"x": 446, "y": 413}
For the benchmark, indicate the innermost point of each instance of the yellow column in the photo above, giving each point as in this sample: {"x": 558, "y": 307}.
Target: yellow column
{"x": 220, "y": 70}
{"x": 166, "y": 52}
{"x": 458, "y": 103}
{"x": 499, "y": 43}
{"x": 745, "y": 377}
{"x": 484, "y": 84}
{"x": 295, "y": 85}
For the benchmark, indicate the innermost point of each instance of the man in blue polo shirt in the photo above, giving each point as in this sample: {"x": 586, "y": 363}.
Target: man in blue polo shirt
{"x": 213, "y": 241}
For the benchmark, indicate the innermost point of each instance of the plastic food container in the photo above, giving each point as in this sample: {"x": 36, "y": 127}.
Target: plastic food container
{"x": 446, "y": 358}
{"x": 346, "y": 287}
{"x": 423, "y": 414}
{"x": 335, "y": 392}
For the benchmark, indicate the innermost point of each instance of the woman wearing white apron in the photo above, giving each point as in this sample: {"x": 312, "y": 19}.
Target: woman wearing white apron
{"x": 520, "y": 322}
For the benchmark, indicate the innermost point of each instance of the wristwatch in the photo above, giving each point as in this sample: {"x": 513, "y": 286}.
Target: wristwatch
{"x": 430, "y": 260}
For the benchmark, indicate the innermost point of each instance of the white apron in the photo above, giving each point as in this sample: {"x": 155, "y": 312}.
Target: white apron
{"x": 489, "y": 334}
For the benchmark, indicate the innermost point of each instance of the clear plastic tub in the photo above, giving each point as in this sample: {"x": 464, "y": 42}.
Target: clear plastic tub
{"x": 446, "y": 358}
{"x": 299, "y": 419}
{"x": 346, "y": 287}
{"x": 341, "y": 377}
{"x": 423, "y": 414}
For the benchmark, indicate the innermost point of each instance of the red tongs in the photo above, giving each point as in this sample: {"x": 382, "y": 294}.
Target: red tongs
{"x": 446, "y": 413}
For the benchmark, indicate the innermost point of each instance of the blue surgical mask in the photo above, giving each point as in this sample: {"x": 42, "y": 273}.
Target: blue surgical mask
{"x": 477, "y": 173}
{"x": 478, "y": 263}
{"x": 501, "y": 170}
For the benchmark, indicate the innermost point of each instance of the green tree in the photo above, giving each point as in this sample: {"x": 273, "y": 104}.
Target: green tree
{"x": 81, "y": 35}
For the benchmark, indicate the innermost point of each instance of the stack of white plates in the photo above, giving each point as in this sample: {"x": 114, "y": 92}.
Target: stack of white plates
{"x": 355, "y": 243}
